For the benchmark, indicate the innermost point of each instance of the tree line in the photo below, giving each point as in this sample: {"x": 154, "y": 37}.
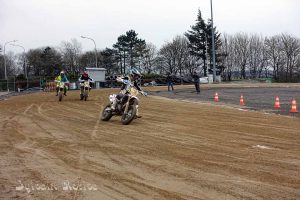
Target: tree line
{"x": 238, "y": 56}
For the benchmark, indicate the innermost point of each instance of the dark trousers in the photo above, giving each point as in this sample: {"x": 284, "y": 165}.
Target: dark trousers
{"x": 197, "y": 86}
{"x": 170, "y": 84}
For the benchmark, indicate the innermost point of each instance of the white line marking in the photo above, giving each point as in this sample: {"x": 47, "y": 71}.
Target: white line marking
{"x": 261, "y": 147}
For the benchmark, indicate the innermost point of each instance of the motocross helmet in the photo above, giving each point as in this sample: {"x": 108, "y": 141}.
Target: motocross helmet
{"x": 135, "y": 73}
{"x": 85, "y": 74}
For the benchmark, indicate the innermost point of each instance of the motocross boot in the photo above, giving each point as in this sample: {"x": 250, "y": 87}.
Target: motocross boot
{"x": 137, "y": 115}
{"x": 65, "y": 91}
{"x": 113, "y": 106}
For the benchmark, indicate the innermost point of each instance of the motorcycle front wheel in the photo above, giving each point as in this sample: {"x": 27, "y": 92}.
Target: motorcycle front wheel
{"x": 86, "y": 94}
{"x": 60, "y": 96}
{"x": 129, "y": 116}
{"x": 106, "y": 113}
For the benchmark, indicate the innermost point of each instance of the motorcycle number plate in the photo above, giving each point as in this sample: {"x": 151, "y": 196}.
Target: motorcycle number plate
{"x": 112, "y": 97}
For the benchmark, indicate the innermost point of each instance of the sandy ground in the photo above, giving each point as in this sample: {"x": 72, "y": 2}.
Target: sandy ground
{"x": 178, "y": 150}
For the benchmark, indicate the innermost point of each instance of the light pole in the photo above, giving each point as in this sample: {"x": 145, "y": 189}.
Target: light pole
{"x": 213, "y": 42}
{"x": 5, "y": 71}
{"x": 25, "y": 68}
{"x": 95, "y": 47}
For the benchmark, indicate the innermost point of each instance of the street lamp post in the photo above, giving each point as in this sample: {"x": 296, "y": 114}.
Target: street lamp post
{"x": 95, "y": 47}
{"x": 5, "y": 70}
{"x": 213, "y": 42}
{"x": 25, "y": 68}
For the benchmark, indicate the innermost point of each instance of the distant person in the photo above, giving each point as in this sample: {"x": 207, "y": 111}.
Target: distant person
{"x": 113, "y": 80}
{"x": 108, "y": 81}
{"x": 43, "y": 83}
{"x": 196, "y": 80}
{"x": 170, "y": 82}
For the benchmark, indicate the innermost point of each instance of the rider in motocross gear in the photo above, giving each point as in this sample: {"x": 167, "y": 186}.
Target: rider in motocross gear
{"x": 128, "y": 82}
{"x": 61, "y": 78}
{"x": 85, "y": 77}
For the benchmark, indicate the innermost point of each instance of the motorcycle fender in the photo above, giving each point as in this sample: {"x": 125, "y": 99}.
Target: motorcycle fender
{"x": 112, "y": 98}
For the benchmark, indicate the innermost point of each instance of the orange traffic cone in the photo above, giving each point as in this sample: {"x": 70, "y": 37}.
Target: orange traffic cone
{"x": 277, "y": 103}
{"x": 216, "y": 99}
{"x": 242, "y": 100}
{"x": 294, "y": 107}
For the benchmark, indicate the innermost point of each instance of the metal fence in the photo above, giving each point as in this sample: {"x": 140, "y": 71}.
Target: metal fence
{"x": 12, "y": 84}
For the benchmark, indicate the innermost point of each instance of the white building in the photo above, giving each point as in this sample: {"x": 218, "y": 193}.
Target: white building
{"x": 98, "y": 74}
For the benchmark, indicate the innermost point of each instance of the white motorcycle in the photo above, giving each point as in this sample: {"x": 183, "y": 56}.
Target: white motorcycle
{"x": 84, "y": 90}
{"x": 126, "y": 107}
{"x": 61, "y": 87}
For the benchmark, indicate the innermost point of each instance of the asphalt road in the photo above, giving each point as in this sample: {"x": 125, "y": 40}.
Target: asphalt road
{"x": 256, "y": 97}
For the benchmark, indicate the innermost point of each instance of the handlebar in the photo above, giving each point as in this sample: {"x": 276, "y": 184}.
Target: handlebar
{"x": 143, "y": 93}
{"x": 82, "y": 81}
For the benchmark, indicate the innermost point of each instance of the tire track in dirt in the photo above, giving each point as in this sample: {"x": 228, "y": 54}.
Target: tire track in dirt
{"x": 171, "y": 153}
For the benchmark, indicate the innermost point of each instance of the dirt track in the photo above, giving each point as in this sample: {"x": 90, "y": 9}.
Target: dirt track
{"x": 178, "y": 150}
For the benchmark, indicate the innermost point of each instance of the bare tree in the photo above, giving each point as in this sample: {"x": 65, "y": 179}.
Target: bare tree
{"x": 11, "y": 65}
{"x": 70, "y": 54}
{"x": 227, "y": 49}
{"x": 174, "y": 54}
{"x": 274, "y": 54}
{"x": 149, "y": 58}
{"x": 256, "y": 48}
{"x": 291, "y": 51}
{"x": 193, "y": 64}
{"x": 20, "y": 63}
{"x": 241, "y": 50}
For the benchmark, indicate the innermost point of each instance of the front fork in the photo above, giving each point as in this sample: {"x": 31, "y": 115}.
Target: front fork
{"x": 83, "y": 89}
{"x": 127, "y": 106}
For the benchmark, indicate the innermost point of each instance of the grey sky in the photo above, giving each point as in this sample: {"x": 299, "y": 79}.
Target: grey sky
{"x": 37, "y": 23}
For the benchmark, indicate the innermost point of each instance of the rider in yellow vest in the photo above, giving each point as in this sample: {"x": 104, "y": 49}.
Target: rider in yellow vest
{"x": 61, "y": 78}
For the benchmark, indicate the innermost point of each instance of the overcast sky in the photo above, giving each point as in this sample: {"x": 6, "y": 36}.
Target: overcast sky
{"x": 38, "y": 23}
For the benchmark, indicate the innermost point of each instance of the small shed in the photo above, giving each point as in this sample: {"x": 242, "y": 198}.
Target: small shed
{"x": 98, "y": 74}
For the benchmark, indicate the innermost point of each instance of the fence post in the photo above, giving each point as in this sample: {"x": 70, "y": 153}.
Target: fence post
{"x": 7, "y": 88}
{"x": 14, "y": 83}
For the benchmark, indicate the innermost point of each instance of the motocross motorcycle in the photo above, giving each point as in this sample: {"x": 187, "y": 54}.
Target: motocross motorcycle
{"x": 126, "y": 107}
{"x": 84, "y": 90}
{"x": 61, "y": 88}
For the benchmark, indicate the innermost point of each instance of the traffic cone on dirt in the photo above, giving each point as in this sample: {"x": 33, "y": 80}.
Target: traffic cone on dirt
{"x": 294, "y": 107}
{"x": 242, "y": 103}
{"x": 277, "y": 103}
{"x": 216, "y": 99}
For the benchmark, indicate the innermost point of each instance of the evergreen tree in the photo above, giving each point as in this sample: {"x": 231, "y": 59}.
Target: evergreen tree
{"x": 109, "y": 60}
{"x": 52, "y": 61}
{"x": 198, "y": 40}
{"x": 121, "y": 46}
{"x": 129, "y": 47}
